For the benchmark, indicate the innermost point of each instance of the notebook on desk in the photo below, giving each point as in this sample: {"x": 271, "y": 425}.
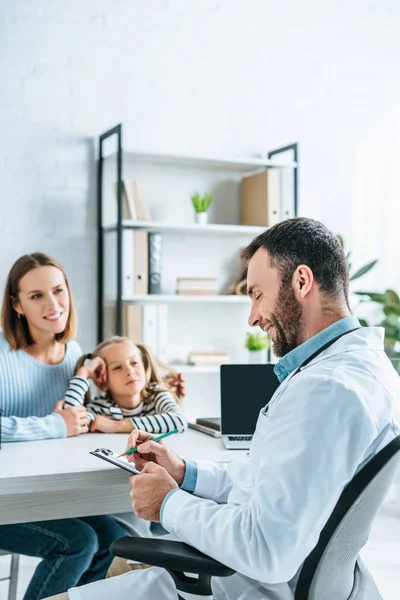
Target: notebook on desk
{"x": 245, "y": 390}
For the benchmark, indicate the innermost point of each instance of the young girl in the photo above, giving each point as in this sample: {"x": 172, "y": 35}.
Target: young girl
{"x": 135, "y": 396}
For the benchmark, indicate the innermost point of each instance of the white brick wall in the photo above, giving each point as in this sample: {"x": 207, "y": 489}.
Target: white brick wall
{"x": 211, "y": 76}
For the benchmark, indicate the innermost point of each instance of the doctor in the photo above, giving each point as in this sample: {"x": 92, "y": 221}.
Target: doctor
{"x": 333, "y": 411}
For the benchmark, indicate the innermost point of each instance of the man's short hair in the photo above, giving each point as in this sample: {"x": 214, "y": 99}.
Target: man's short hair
{"x": 302, "y": 241}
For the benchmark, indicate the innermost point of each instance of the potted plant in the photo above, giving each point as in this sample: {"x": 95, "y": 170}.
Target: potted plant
{"x": 201, "y": 204}
{"x": 390, "y": 303}
{"x": 257, "y": 344}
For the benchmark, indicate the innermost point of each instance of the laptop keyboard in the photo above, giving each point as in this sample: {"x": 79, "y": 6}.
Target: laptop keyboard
{"x": 239, "y": 438}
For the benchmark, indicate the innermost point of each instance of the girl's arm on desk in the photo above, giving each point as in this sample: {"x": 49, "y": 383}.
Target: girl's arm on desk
{"x": 160, "y": 415}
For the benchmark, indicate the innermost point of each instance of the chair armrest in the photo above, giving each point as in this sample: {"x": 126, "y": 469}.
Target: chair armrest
{"x": 175, "y": 556}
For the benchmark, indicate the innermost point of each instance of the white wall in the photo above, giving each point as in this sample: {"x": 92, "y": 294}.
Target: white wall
{"x": 211, "y": 77}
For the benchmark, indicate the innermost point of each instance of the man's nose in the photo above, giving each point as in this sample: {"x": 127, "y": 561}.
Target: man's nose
{"x": 254, "y": 318}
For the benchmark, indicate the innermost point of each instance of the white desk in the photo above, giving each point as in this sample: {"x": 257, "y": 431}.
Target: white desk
{"x": 56, "y": 479}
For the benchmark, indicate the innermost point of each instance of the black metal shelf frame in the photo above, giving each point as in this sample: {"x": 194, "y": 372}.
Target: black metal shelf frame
{"x": 117, "y": 131}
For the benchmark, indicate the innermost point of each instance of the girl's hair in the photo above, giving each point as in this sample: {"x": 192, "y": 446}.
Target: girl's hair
{"x": 16, "y": 330}
{"x": 153, "y": 378}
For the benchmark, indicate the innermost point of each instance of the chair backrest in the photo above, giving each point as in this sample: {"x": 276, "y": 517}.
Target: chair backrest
{"x": 333, "y": 569}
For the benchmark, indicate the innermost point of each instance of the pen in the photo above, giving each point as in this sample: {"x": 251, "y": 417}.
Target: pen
{"x": 159, "y": 437}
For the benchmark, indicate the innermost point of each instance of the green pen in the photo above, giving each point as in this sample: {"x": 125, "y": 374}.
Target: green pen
{"x": 159, "y": 437}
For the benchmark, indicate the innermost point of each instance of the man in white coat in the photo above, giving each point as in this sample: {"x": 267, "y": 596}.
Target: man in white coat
{"x": 332, "y": 412}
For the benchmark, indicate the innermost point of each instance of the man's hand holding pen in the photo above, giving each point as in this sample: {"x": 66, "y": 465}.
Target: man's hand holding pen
{"x": 161, "y": 471}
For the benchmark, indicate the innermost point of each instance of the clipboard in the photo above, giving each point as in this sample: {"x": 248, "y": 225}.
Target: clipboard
{"x": 112, "y": 458}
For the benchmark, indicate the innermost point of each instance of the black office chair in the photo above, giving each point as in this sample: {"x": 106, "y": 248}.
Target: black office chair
{"x": 333, "y": 570}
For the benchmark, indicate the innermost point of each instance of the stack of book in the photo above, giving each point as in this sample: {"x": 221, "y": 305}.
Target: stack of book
{"x": 197, "y": 286}
{"x": 208, "y": 358}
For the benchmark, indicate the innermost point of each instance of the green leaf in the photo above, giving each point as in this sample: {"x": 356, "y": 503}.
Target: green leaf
{"x": 363, "y": 270}
{"x": 392, "y": 297}
{"x": 381, "y": 298}
{"x": 363, "y": 323}
{"x": 340, "y": 240}
{"x": 392, "y": 309}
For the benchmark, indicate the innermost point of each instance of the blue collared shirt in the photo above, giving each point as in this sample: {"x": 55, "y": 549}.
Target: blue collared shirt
{"x": 287, "y": 364}
{"x": 292, "y": 360}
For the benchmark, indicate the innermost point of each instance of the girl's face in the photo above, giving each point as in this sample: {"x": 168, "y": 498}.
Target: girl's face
{"x": 44, "y": 301}
{"x": 125, "y": 370}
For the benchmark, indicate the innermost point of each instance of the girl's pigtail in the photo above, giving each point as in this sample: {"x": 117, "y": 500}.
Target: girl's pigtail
{"x": 79, "y": 364}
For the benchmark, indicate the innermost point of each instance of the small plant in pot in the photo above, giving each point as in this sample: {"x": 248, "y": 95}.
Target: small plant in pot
{"x": 258, "y": 345}
{"x": 201, "y": 204}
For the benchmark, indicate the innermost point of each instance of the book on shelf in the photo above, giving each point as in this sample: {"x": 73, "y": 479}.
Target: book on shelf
{"x": 197, "y": 286}
{"x": 208, "y": 358}
{"x": 261, "y": 198}
{"x": 210, "y": 422}
{"x": 134, "y": 206}
{"x": 197, "y": 292}
{"x": 206, "y": 430}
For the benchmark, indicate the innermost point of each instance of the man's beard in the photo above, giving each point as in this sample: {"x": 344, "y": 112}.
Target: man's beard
{"x": 286, "y": 319}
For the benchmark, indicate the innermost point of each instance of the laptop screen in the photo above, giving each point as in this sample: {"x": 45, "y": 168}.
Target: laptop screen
{"x": 245, "y": 390}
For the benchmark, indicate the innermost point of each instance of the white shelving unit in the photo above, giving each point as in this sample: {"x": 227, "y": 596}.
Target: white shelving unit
{"x": 189, "y": 249}
{"x": 227, "y": 163}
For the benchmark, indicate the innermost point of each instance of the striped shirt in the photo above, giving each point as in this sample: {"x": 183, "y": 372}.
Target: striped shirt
{"x": 29, "y": 390}
{"x": 158, "y": 414}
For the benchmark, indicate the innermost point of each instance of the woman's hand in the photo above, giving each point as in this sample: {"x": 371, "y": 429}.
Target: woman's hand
{"x": 103, "y": 424}
{"x": 150, "y": 451}
{"x": 75, "y": 417}
{"x": 176, "y": 383}
{"x": 96, "y": 370}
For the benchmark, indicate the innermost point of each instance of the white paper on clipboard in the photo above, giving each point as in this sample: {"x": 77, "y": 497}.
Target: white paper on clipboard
{"x": 113, "y": 458}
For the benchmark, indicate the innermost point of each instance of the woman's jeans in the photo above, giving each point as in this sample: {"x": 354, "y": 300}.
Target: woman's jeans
{"x": 74, "y": 551}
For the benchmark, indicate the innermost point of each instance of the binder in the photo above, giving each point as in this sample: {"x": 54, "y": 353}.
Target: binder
{"x": 162, "y": 346}
{"x": 155, "y": 257}
{"x": 140, "y": 262}
{"x": 134, "y": 263}
{"x": 287, "y": 194}
{"x": 132, "y": 322}
{"x": 261, "y": 198}
{"x": 150, "y": 327}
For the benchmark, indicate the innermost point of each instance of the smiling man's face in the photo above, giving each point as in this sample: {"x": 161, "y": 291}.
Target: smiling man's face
{"x": 274, "y": 307}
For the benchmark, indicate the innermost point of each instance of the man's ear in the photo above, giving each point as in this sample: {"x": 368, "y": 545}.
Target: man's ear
{"x": 303, "y": 280}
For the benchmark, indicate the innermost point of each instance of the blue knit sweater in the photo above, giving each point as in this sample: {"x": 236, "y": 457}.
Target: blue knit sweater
{"x": 29, "y": 390}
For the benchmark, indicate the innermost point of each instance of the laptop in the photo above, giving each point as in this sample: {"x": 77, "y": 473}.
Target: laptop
{"x": 245, "y": 390}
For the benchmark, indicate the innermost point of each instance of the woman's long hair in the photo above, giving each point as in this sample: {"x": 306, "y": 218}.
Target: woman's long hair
{"x": 15, "y": 327}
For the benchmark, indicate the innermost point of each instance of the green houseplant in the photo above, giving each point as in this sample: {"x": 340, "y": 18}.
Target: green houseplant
{"x": 201, "y": 204}
{"x": 362, "y": 270}
{"x": 390, "y": 304}
{"x": 257, "y": 344}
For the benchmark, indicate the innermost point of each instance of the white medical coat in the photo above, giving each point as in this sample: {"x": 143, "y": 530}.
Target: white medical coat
{"x": 264, "y": 517}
